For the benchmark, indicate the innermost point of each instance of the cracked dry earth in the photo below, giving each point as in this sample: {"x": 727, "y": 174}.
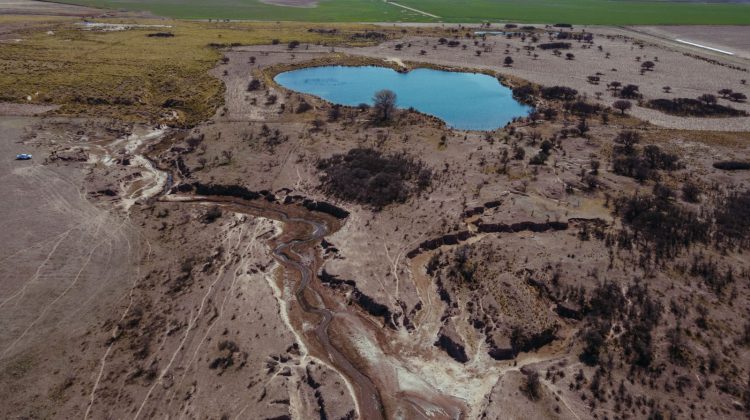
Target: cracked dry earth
{"x": 159, "y": 272}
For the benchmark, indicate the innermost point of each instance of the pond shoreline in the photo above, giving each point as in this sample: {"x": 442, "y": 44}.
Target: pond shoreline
{"x": 484, "y": 109}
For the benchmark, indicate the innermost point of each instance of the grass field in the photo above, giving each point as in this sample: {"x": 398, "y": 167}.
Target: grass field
{"x": 605, "y": 12}
{"x": 128, "y": 75}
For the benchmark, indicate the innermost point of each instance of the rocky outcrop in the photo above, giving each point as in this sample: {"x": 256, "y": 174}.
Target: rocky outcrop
{"x": 238, "y": 191}
{"x": 569, "y": 310}
{"x": 524, "y": 342}
{"x": 521, "y": 226}
{"x": 450, "y": 343}
{"x": 481, "y": 209}
{"x": 364, "y": 301}
{"x": 455, "y": 238}
{"x": 432, "y": 244}
{"x": 235, "y": 191}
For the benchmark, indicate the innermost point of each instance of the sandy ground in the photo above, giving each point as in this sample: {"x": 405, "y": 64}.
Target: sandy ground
{"x": 734, "y": 39}
{"x": 66, "y": 263}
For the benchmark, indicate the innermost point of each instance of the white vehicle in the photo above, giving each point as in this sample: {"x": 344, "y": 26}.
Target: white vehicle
{"x": 23, "y": 156}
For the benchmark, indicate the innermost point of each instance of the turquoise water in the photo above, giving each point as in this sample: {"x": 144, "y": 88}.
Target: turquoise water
{"x": 466, "y": 101}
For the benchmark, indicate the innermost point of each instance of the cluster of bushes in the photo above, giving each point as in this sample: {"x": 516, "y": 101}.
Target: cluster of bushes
{"x": 661, "y": 228}
{"x": 583, "y": 108}
{"x": 712, "y": 275}
{"x": 544, "y": 152}
{"x": 656, "y": 224}
{"x": 635, "y": 310}
{"x": 524, "y": 93}
{"x": 370, "y": 35}
{"x": 554, "y": 46}
{"x": 641, "y": 165}
{"x": 371, "y": 177}
{"x": 688, "y": 107}
{"x": 732, "y": 218}
{"x": 559, "y": 92}
{"x": 161, "y": 35}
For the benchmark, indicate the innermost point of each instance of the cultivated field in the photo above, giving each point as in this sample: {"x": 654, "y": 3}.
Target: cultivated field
{"x": 535, "y": 11}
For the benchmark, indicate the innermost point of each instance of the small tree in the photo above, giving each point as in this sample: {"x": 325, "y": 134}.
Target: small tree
{"x": 384, "y": 103}
{"x": 691, "y": 192}
{"x": 626, "y": 141}
{"x": 570, "y": 56}
{"x": 531, "y": 386}
{"x": 648, "y": 65}
{"x": 334, "y": 113}
{"x": 253, "y": 85}
{"x": 707, "y": 99}
{"x": 666, "y": 89}
{"x": 293, "y": 44}
{"x": 725, "y": 92}
{"x": 508, "y": 61}
{"x": 630, "y": 91}
{"x": 622, "y": 105}
{"x": 737, "y": 96}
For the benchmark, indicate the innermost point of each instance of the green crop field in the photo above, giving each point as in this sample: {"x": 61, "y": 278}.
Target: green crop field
{"x": 605, "y": 12}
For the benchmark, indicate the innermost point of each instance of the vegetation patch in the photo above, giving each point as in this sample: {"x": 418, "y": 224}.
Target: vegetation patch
{"x": 732, "y": 165}
{"x": 687, "y": 107}
{"x": 137, "y": 74}
{"x": 370, "y": 177}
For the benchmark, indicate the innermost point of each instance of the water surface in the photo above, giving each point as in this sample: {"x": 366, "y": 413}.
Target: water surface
{"x": 467, "y": 101}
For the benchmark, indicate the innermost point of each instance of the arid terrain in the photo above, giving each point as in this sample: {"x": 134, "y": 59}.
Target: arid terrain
{"x": 276, "y": 256}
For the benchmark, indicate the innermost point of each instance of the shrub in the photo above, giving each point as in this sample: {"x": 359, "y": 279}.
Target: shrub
{"x": 334, "y": 113}
{"x": 531, "y": 386}
{"x": 370, "y": 177}
{"x": 733, "y": 219}
{"x": 303, "y": 107}
{"x": 539, "y": 159}
{"x": 211, "y": 215}
{"x": 253, "y": 85}
{"x": 690, "y": 192}
{"x": 524, "y": 93}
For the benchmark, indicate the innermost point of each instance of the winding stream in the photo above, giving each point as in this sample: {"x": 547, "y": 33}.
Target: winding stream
{"x": 290, "y": 253}
{"x": 304, "y": 233}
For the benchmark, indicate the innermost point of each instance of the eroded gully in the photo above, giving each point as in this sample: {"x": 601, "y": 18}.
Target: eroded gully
{"x": 298, "y": 241}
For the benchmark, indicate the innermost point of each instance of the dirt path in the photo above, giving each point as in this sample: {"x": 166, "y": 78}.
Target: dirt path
{"x": 421, "y": 12}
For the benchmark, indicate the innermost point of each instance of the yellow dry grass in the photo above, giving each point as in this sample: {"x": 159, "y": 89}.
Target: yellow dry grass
{"x": 128, "y": 75}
